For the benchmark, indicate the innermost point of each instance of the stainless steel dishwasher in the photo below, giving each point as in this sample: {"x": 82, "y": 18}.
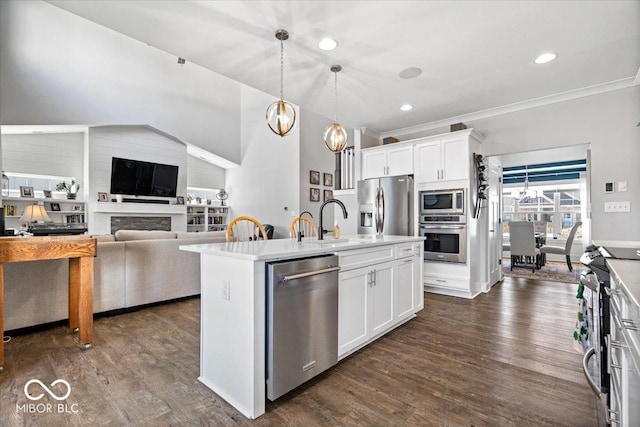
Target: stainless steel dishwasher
{"x": 302, "y": 321}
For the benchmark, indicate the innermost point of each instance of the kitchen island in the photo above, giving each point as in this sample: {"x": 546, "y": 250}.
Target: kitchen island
{"x": 380, "y": 287}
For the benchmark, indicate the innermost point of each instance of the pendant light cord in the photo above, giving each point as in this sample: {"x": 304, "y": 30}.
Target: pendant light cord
{"x": 281, "y": 70}
{"x": 335, "y": 101}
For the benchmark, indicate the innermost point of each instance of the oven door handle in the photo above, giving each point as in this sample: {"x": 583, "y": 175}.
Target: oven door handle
{"x": 446, "y": 227}
{"x": 585, "y": 369}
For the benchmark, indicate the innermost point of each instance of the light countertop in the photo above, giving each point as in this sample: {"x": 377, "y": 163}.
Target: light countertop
{"x": 275, "y": 249}
{"x": 629, "y": 273}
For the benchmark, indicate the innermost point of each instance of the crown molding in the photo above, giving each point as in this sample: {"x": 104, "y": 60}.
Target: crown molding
{"x": 518, "y": 106}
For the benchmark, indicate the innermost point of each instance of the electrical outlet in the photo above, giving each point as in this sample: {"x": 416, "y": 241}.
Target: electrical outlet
{"x": 617, "y": 207}
{"x": 226, "y": 290}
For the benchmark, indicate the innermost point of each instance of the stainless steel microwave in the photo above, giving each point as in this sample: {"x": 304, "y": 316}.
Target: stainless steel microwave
{"x": 442, "y": 202}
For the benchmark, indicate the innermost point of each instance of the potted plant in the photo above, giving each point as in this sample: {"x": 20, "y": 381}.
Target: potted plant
{"x": 71, "y": 189}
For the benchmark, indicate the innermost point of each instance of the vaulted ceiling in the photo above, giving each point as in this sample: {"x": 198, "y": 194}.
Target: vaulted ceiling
{"x": 476, "y": 56}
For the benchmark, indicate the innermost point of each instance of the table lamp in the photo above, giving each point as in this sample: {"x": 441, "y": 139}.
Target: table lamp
{"x": 33, "y": 214}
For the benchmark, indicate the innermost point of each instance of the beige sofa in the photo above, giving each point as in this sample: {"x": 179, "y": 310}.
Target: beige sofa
{"x": 132, "y": 268}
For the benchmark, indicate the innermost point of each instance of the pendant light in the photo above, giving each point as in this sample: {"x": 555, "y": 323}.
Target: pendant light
{"x": 281, "y": 116}
{"x": 335, "y": 136}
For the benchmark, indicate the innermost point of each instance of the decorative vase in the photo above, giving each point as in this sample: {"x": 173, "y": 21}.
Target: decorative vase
{"x": 71, "y": 196}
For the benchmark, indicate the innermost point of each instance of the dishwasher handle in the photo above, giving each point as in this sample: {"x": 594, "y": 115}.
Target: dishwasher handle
{"x": 286, "y": 278}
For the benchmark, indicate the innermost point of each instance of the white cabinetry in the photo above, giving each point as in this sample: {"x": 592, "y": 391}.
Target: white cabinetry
{"x": 374, "y": 298}
{"x": 409, "y": 294}
{"x": 207, "y": 217}
{"x": 441, "y": 160}
{"x": 60, "y": 211}
{"x": 387, "y": 161}
{"x": 624, "y": 343}
{"x": 365, "y": 296}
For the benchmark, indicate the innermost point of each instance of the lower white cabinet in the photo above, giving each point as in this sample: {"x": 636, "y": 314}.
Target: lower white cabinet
{"x": 365, "y": 304}
{"x": 408, "y": 296}
{"x": 375, "y": 298}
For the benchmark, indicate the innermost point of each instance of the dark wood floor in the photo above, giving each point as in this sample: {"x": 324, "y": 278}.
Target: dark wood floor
{"x": 502, "y": 359}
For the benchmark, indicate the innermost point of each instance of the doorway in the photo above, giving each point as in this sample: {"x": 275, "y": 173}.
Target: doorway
{"x": 550, "y": 186}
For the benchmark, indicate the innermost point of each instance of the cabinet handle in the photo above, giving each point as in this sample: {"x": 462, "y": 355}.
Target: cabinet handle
{"x": 441, "y": 280}
{"x": 611, "y": 291}
{"x": 629, "y": 324}
{"x": 373, "y": 277}
{"x": 408, "y": 260}
{"x": 615, "y": 344}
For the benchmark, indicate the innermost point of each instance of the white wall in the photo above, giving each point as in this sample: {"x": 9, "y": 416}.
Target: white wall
{"x": 136, "y": 143}
{"x": 203, "y": 174}
{"x": 607, "y": 122}
{"x": 267, "y": 179}
{"x": 60, "y": 154}
{"x": 58, "y": 68}
{"x": 316, "y": 156}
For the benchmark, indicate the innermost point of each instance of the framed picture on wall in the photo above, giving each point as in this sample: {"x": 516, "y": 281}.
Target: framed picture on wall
{"x": 328, "y": 194}
{"x": 314, "y": 177}
{"x": 327, "y": 179}
{"x": 314, "y": 194}
{"x": 47, "y": 194}
{"x": 26, "y": 191}
{"x": 55, "y": 207}
{"x": 180, "y": 200}
{"x": 103, "y": 197}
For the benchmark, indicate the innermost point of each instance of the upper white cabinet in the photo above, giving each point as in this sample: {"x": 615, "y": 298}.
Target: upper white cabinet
{"x": 387, "y": 161}
{"x": 442, "y": 160}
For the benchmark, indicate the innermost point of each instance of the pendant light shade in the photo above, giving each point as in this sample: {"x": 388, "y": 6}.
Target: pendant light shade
{"x": 281, "y": 116}
{"x": 335, "y": 136}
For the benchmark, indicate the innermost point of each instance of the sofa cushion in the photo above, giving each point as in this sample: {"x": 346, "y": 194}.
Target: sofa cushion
{"x": 202, "y": 235}
{"x": 105, "y": 238}
{"x": 127, "y": 235}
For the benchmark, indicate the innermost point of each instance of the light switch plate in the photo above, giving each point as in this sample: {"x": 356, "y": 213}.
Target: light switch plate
{"x": 622, "y": 185}
{"x": 617, "y": 207}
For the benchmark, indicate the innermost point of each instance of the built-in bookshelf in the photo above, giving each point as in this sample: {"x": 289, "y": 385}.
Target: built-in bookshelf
{"x": 207, "y": 218}
{"x": 60, "y": 211}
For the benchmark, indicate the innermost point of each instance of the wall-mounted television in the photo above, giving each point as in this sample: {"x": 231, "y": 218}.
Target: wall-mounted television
{"x": 138, "y": 178}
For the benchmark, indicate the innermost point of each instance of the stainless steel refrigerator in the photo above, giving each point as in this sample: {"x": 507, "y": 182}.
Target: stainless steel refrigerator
{"x": 385, "y": 206}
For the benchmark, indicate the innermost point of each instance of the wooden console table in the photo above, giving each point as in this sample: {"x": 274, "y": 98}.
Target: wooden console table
{"x": 80, "y": 250}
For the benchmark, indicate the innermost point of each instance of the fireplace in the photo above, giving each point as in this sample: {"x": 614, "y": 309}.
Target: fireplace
{"x": 140, "y": 223}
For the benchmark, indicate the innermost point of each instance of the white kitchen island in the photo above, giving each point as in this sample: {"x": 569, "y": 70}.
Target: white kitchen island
{"x": 233, "y": 303}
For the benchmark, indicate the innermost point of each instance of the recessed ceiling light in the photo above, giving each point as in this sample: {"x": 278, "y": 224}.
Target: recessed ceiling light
{"x": 327, "y": 43}
{"x": 406, "y": 107}
{"x": 410, "y": 73}
{"x": 546, "y": 57}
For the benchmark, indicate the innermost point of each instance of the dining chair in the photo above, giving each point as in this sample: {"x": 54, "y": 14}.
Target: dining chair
{"x": 245, "y": 228}
{"x": 566, "y": 251}
{"x": 308, "y": 228}
{"x": 523, "y": 245}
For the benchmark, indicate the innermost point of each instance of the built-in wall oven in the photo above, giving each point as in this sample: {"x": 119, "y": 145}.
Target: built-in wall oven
{"x": 445, "y": 237}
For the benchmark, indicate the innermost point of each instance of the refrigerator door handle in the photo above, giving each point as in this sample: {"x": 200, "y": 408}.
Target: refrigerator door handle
{"x": 381, "y": 207}
{"x": 377, "y": 209}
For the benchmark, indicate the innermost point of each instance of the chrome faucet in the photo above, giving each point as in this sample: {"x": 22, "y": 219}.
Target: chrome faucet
{"x": 299, "y": 221}
{"x": 344, "y": 213}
